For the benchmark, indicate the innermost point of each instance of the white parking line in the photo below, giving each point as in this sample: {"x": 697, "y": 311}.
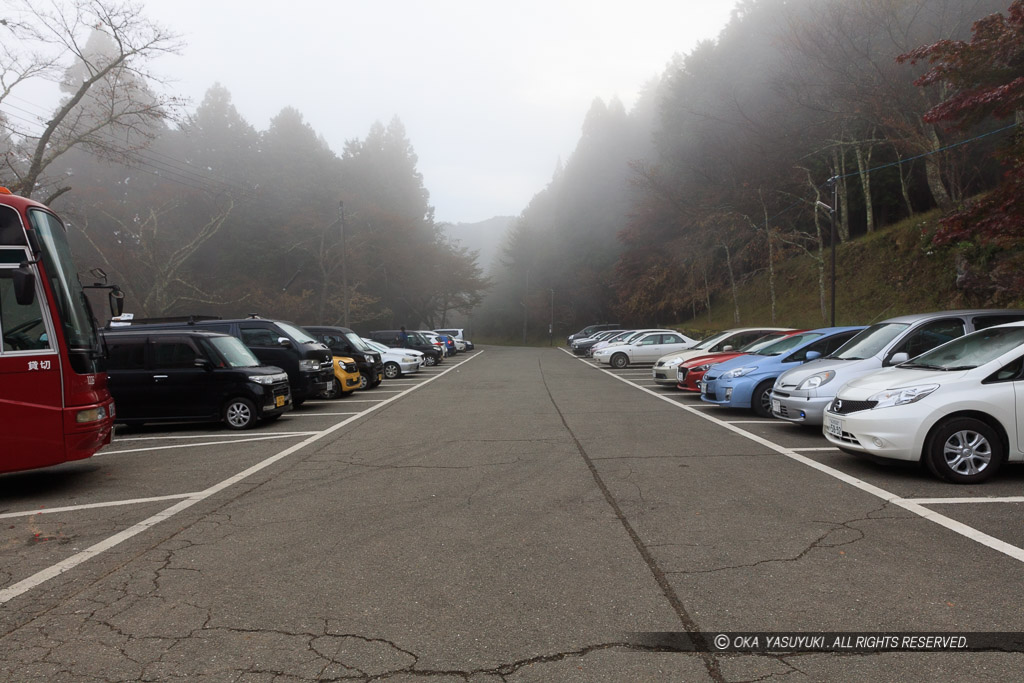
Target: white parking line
{"x": 89, "y": 506}
{"x": 202, "y": 436}
{"x": 914, "y": 506}
{"x": 824, "y": 448}
{"x": 42, "y": 576}
{"x": 957, "y": 501}
{"x": 751, "y": 422}
{"x": 267, "y": 437}
{"x": 318, "y": 415}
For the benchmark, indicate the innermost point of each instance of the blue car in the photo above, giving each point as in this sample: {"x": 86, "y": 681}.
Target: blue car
{"x": 746, "y": 381}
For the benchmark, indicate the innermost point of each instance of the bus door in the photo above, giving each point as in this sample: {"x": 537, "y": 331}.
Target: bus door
{"x": 31, "y": 390}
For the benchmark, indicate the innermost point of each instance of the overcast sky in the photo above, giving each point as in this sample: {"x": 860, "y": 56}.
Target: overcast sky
{"x": 492, "y": 94}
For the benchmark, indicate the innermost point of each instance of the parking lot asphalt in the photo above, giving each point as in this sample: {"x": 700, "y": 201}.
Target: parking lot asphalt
{"x": 514, "y": 514}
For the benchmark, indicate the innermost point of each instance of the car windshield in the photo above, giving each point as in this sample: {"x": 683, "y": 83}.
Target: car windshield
{"x": 297, "y": 333}
{"x": 376, "y": 346}
{"x": 711, "y": 341}
{"x": 619, "y": 337}
{"x": 787, "y": 344}
{"x": 869, "y": 342}
{"x": 761, "y": 342}
{"x": 356, "y": 341}
{"x": 234, "y": 352}
{"x": 970, "y": 351}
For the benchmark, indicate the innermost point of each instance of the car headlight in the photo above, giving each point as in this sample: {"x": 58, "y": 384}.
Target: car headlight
{"x": 738, "y": 372}
{"x": 348, "y": 367}
{"x": 816, "y": 380}
{"x": 408, "y": 359}
{"x": 309, "y": 365}
{"x": 900, "y": 397}
{"x": 701, "y": 368}
{"x": 268, "y": 379}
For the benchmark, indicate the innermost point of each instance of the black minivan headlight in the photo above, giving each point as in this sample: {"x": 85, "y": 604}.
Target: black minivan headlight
{"x": 268, "y": 379}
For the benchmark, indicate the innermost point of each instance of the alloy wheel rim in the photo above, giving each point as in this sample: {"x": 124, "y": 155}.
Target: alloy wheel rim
{"x": 238, "y": 414}
{"x": 967, "y": 452}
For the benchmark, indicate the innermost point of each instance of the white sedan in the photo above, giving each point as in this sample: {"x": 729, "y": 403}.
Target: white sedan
{"x": 397, "y": 362}
{"x": 959, "y": 408}
{"x": 646, "y": 348}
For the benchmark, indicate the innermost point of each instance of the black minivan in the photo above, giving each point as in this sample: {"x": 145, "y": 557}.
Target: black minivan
{"x": 191, "y": 375}
{"x": 308, "y": 362}
{"x": 344, "y": 342}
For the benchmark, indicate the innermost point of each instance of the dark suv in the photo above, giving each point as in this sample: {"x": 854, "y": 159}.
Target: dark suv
{"x": 590, "y": 330}
{"x": 344, "y": 342}
{"x": 431, "y": 354}
{"x": 308, "y": 362}
{"x": 188, "y": 375}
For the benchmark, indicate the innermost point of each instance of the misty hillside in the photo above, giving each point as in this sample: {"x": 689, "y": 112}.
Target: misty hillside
{"x": 485, "y": 237}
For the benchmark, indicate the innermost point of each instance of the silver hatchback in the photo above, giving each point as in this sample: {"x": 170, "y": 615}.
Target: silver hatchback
{"x": 801, "y": 394}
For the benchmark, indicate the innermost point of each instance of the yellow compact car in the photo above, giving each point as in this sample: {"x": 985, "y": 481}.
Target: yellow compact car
{"x": 346, "y": 378}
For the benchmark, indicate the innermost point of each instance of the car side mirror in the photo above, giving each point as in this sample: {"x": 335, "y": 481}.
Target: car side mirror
{"x": 813, "y": 355}
{"x": 898, "y": 358}
{"x": 285, "y": 342}
{"x": 24, "y": 285}
{"x": 727, "y": 347}
{"x": 203, "y": 363}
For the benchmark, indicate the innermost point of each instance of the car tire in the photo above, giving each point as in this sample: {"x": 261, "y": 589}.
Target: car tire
{"x": 619, "y": 360}
{"x": 364, "y": 382}
{"x": 958, "y": 437}
{"x": 296, "y": 402}
{"x": 761, "y": 399}
{"x": 431, "y": 361}
{"x": 239, "y": 413}
{"x": 392, "y": 370}
{"x": 335, "y": 390}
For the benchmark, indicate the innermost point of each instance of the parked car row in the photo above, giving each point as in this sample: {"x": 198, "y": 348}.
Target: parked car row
{"x": 244, "y": 371}
{"x": 945, "y": 389}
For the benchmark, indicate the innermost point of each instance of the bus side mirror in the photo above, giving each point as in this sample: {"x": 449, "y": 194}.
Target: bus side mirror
{"x": 24, "y": 285}
{"x": 116, "y": 297}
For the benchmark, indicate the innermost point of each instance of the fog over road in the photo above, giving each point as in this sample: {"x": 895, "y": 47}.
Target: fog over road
{"x": 515, "y": 518}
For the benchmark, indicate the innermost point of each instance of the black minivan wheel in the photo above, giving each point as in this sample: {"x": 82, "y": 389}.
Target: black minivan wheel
{"x": 239, "y": 413}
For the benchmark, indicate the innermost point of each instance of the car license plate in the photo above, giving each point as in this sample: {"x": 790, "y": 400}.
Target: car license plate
{"x": 279, "y": 401}
{"x": 702, "y": 386}
{"x": 834, "y": 427}
{"x": 776, "y": 405}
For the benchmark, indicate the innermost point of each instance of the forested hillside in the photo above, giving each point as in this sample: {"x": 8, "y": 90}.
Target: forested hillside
{"x": 732, "y": 162}
{"x": 196, "y": 211}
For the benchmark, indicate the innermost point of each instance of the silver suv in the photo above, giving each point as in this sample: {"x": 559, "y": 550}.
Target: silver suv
{"x": 801, "y": 394}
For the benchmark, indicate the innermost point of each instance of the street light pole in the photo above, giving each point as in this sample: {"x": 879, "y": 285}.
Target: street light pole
{"x": 551, "y": 324}
{"x": 834, "y": 182}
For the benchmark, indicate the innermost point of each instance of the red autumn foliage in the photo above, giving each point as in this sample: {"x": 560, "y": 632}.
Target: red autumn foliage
{"x": 985, "y": 78}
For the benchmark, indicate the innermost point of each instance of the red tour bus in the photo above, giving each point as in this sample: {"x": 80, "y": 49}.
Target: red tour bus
{"x": 54, "y": 402}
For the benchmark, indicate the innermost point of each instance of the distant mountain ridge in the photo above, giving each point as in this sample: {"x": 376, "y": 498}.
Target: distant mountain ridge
{"x": 485, "y": 237}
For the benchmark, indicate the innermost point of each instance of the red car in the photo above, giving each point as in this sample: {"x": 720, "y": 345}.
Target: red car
{"x": 691, "y": 371}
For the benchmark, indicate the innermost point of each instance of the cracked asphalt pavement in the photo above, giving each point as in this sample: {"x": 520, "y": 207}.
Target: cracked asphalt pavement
{"x": 511, "y": 521}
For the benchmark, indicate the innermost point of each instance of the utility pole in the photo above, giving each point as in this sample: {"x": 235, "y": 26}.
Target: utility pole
{"x": 344, "y": 260}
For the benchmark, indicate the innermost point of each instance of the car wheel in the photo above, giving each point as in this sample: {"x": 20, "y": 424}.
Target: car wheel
{"x": 431, "y": 361}
{"x": 239, "y": 413}
{"x": 335, "y": 390}
{"x": 619, "y": 360}
{"x": 964, "y": 450}
{"x": 392, "y": 370}
{"x": 761, "y": 399}
{"x": 296, "y": 402}
{"x": 364, "y": 381}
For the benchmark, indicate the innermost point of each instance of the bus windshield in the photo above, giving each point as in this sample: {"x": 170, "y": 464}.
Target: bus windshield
{"x": 72, "y": 307}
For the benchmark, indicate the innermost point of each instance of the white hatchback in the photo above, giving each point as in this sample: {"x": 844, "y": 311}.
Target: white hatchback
{"x": 959, "y": 408}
